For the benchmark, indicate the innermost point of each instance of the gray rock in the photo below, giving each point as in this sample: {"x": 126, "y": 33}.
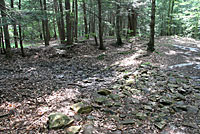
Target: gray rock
{"x": 73, "y": 130}
{"x": 192, "y": 109}
{"x": 127, "y": 122}
{"x": 160, "y": 125}
{"x": 88, "y": 129}
{"x": 141, "y": 116}
{"x": 117, "y": 132}
{"x": 58, "y": 120}
{"x": 100, "y": 100}
{"x": 82, "y": 108}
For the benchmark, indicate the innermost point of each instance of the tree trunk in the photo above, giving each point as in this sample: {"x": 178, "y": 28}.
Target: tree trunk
{"x": 76, "y": 20}
{"x": 132, "y": 19}
{"x": 14, "y": 26}
{"x": 20, "y": 35}
{"x": 3, "y": 51}
{"x": 119, "y": 40}
{"x": 68, "y": 21}
{"x": 46, "y": 25}
{"x": 60, "y": 31}
{"x": 101, "y": 46}
{"x": 85, "y": 19}
{"x": 5, "y": 28}
{"x": 62, "y": 24}
{"x": 152, "y": 28}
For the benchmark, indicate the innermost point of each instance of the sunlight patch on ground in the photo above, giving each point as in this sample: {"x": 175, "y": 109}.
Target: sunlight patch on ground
{"x": 130, "y": 61}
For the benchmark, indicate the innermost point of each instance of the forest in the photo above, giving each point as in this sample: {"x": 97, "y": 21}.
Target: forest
{"x": 100, "y": 66}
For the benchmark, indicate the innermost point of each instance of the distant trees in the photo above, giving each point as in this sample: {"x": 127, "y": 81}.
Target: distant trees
{"x": 74, "y": 19}
{"x": 5, "y": 27}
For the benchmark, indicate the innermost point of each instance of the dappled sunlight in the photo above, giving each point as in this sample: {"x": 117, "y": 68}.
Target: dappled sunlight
{"x": 131, "y": 60}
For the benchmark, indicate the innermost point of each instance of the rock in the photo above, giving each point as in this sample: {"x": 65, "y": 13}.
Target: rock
{"x": 117, "y": 132}
{"x": 178, "y": 97}
{"x": 148, "y": 108}
{"x": 58, "y": 120}
{"x": 100, "y": 100}
{"x": 192, "y": 109}
{"x": 114, "y": 96}
{"x": 197, "y": 96}
{"x": 141, "y": 116}
{"x": 165, "y": 101}
{"x": 82, "y": 108}
{"x": 179, "y": 108}
{"x": 160, "y": 125}
{"x": 134, "y": 101}
{"x": 127, "y": 122}
{"x": 122, "y": 115}
{"x": 173, "y": 85}
{"x": 130, "y": 82}
{"x": 104, "y": 92}
{"x": 191, "y": 125}
{"x": 88, "y": 129}
{"x": 73, "y": 130}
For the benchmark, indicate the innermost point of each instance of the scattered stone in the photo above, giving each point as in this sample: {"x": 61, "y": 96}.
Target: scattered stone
{"x": 148, "y": 108}
{"x": 160, "y": 125}
{"x": 165, "y": 101}
{"x": 117, "y": 132}
{"x": 127, "y": 122}
{"x": 141, "y": 116}
{"x": 100, "y": 100}
{"x": 82, "y": 108}
{"x": 130, "y": 82}
{"x": 114, "y": 96}
{"x": 192, "y": 109}
{"x": 73, "y": 130}
{"x": 58, "y": 120}
{"x": 88, "y": 129}
{"x": 104, "y": 92}
{"x": 191, "y": 125}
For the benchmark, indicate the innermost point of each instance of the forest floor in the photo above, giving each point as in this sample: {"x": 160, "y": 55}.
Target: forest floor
{"x": 129, "y": 90}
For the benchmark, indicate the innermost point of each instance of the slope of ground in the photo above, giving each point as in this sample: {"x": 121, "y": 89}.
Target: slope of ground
{"x": 150, "y": 94}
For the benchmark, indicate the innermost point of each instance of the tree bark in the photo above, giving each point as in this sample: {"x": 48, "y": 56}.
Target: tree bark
{"x": 5, "y": 28}
{"x": 62, "y": 24}
{"x": 14, "y": 27}
{"x": 152, "y": 28}
{"x": 46, "y": 25}
{"x": 20, "y": 34}
{"x": 101, "y": 46}
{"x": 3, "y": 51}
{"x": 119, "y": 40}
{"x": 85, "y": 19}
{"x": 76, "y": 20}
{"x": 68, "y": 21}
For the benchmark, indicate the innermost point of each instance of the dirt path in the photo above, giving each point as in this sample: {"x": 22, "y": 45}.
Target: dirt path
{"x": 149, "y": 94}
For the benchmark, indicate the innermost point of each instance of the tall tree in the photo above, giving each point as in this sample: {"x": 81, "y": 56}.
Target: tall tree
{"x": 118, "y": 16}
{"x": 85, "y": 19}
{"x": 1, "y": 40}
{"x": 46, "y": 25}
{"x": 76, "y": 20}
{"x": 62, "y": 24}
{"x": 68, "y": 21}
{"x": 14, "y": 26}
{"x": 20, "y": 34}
{"x": 5, "y": 28}
{"x": 101, "y": 46}
{"x": 152, "y": 27}
{"x": 58, "y": 21}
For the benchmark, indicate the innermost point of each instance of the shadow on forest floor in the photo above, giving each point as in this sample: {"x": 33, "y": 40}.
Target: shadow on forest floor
{"x": 52, "y": 79}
